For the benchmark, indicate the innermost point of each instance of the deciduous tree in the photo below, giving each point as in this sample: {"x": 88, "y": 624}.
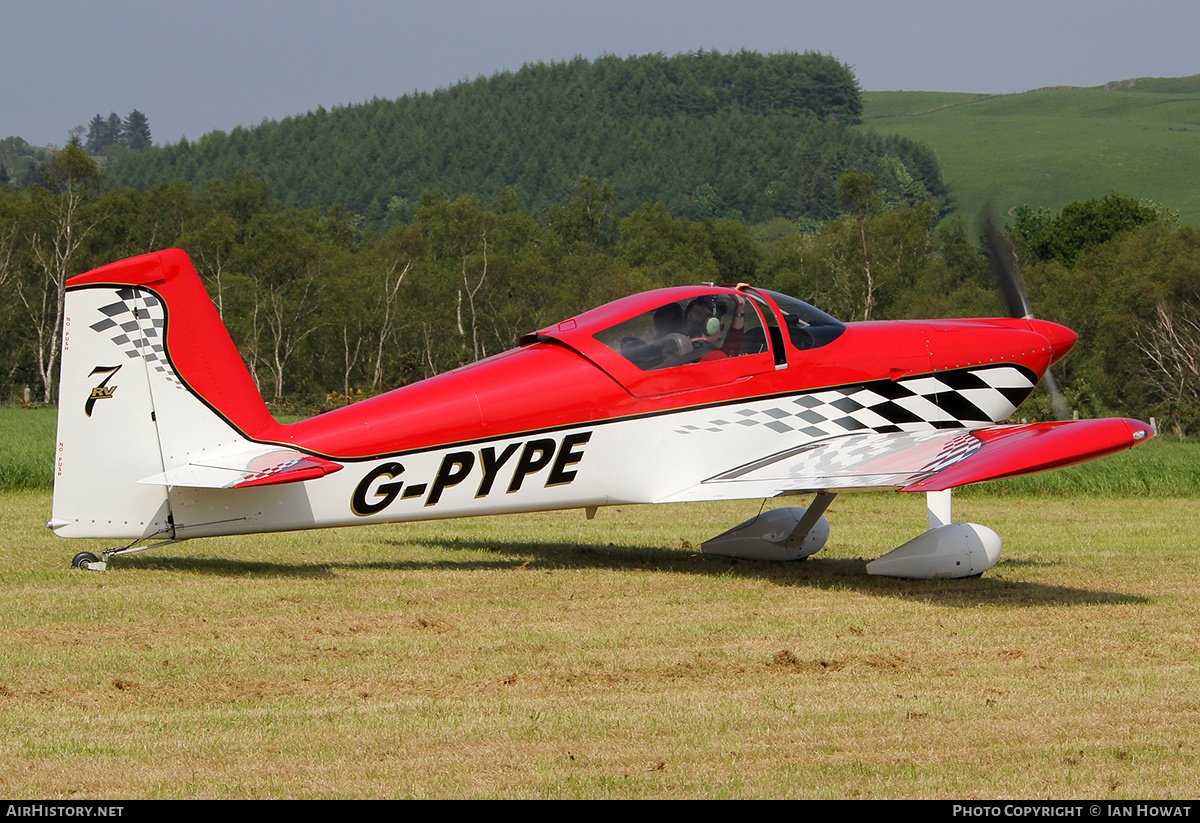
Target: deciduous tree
{"x": 59, "y": 224}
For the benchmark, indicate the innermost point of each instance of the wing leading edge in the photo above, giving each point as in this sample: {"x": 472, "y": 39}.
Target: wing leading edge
{"x": 921, "y": 461}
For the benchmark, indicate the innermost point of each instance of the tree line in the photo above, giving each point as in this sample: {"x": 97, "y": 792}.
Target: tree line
{"x": 131, "y": 133}
{"x": 323, "y": 306}
{"x": 743, "y": 135}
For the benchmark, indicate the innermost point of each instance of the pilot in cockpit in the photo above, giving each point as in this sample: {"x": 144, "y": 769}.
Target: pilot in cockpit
{"x": 703, "y": 324}
{"x": 701, "y": 332}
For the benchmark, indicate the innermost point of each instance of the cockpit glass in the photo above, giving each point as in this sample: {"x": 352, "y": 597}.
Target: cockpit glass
{"x": 807, "y": 327}
{"x": 702, "y": 329}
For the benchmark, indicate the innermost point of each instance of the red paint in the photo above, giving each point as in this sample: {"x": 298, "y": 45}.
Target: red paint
{"x": 1015, "y": 450}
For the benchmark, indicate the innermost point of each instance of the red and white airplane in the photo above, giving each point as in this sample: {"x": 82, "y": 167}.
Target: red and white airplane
{"x": 681, "y": 394}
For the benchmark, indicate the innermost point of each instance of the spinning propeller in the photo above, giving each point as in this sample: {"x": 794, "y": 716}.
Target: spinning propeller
{"x": 1008, "y": 278}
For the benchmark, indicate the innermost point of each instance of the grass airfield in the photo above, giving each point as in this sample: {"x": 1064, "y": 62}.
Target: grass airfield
{"x": 548, "y": 656}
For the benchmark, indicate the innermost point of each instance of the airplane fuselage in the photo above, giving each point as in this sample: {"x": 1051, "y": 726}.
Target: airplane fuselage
{"x": 604, "y": 408}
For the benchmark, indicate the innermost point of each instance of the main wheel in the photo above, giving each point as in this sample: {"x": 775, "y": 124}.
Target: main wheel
{"x": 79, "y": 561}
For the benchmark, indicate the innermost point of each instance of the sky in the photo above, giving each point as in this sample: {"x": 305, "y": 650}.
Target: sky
{"x": 194, "y": 67}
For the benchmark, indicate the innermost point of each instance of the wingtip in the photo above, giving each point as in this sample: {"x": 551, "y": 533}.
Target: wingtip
{"x": 1139, "y": 431}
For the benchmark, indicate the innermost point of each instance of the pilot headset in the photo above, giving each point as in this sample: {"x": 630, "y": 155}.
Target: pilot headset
{"x": 713, "y": 324}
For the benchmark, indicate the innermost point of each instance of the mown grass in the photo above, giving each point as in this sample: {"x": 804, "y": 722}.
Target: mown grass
{"x": 550, "y": 656}
{"x": 1050, "y": 147}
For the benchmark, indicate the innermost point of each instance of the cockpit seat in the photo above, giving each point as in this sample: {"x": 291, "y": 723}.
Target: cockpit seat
{"x": 670, "y": 349}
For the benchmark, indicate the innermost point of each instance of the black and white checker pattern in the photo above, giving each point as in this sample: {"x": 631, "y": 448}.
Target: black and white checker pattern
{"x": 946, "y": 400}
{"x": 860, "y": 456}
{"x": 139, "y": 331}
{"x": 958, "y": 448}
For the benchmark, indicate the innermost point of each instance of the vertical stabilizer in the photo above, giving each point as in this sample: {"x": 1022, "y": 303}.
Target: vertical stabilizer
{"x": 150, "y": 379}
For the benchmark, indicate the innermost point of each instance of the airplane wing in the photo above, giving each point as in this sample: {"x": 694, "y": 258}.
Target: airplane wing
{"x": 265, "y": 467}
{"x": 920, "y": 461}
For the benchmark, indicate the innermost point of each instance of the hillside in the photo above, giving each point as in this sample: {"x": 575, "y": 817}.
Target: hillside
{"x": 1052, "y": 146}
{"x": 18, "y": 159}
{"x": 709, "y": 134}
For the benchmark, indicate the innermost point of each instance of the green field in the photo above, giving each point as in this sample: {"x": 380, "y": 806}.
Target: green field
{"x": 27, "y": 447}
{"x": 549, "y": 656}
{"x": 1052, "y": 146}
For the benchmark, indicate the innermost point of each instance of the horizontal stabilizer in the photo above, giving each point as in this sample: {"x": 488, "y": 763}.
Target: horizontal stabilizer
{"x": 255, "y": 468}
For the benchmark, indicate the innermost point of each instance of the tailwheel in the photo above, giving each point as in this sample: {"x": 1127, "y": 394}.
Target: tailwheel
{"x": 88, "y": 562}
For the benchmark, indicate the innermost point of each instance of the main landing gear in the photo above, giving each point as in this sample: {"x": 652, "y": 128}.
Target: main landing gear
{"x": 947, "y": 549}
